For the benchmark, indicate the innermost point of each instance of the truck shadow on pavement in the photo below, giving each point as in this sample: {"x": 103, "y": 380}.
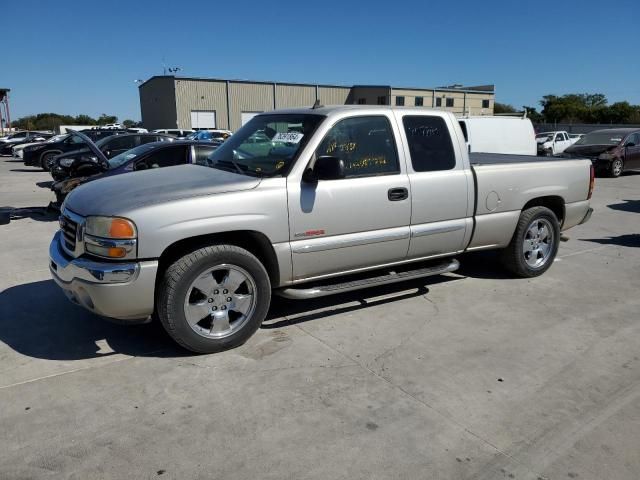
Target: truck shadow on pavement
{"x": 632, "y": 206}
{"x": 626, "y": 240}
{"x": 40, "y": 214}
{"x": 37, "y": 320}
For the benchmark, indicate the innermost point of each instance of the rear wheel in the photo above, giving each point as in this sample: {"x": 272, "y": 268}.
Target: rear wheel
{"x": 214, "y": 298}
{"x": 616, "y": 167}
{"x": 534, "y": 244}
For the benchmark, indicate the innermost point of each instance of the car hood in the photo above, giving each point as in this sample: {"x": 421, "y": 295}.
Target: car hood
{"x": 117, "y": 194}
{"x": 588, "y": 150}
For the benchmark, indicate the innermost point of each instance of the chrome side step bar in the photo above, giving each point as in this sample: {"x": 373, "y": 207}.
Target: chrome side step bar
{"x": 392, "y": 276}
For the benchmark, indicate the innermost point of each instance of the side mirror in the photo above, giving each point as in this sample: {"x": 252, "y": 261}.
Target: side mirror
{"x": 630, "y": 144}
{"x": 141, "y": 166}
{"x": 326, "y": 167}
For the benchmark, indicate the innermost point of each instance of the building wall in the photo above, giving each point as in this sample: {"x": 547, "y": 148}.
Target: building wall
{"x": 369, "y": 95}
{"x": 158, "y": 103}
{"x": 292, "y": 96}
{"x": 334, "y": 95}
{"x": 200, "y": 95}
{"x": 463, "y": 102}
{"x": 248, "y": 97}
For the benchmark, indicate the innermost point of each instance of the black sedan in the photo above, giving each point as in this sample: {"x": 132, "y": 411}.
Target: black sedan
{"x": 20, "y": 138}
{"x": 41, "y": 155}
{"x": 143, "y": 157}
{"x": 83, "y": 162}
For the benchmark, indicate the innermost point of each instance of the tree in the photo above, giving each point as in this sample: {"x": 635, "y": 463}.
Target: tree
{"x": 503, "y": 108}
{"x": 533, "y": 114}
{"x": 85, "y": 120}
{"x": 128, "y": 123}
{"x": 105, "y": 119}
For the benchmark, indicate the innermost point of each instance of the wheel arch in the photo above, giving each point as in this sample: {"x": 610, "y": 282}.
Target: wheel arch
{"x": 56, "y": 152}
{"x": 253, "y": 241}
{"x": 554, "y": 203}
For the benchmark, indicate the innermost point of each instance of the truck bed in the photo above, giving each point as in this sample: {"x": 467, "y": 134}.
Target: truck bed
{"x": 498, "y": 158}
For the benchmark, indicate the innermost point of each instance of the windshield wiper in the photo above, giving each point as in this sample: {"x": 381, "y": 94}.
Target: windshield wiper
{"x": 232, "y": 162}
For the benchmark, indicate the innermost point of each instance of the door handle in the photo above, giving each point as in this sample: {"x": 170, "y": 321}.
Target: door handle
{"x": 396, "y": 194}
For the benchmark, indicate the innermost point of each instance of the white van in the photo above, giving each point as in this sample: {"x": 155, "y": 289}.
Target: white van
{"x": 497, "y": 134}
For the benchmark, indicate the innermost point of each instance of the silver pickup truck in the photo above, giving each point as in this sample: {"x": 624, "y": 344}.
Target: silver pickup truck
{"x": 305, "y": 203}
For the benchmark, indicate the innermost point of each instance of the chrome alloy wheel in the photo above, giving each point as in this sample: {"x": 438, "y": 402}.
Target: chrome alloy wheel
{"x": 616, "y": 167}
{"x": 538, "y": 243}
{"x": 220, "y": 301}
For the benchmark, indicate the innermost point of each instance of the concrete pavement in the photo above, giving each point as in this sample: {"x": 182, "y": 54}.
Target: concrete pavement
{"x": 471, "y": 375}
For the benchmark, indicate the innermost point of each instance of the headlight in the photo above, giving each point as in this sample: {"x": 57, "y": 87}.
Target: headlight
{"x": 110, "y": 237}
{"x": 37, "y": 147}
{"x": 110, "y": 227}
{"x": 606, "y": 156}
{"x": 66, "y": 162}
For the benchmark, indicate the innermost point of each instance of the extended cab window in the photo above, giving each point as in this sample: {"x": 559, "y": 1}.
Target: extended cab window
{"x": 430, "y": 144}
{"x": 365, "y": 144}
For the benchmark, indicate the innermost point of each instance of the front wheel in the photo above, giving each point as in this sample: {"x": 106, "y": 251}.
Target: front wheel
{"x": 214, "y": 298}
{"x": 616, "y": 167}
{"x": 47, "y": 160}
{"x": 534, "y": 244}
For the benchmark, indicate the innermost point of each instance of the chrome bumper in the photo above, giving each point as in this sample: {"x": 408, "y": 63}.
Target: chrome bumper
{"x": 124, "y": 291}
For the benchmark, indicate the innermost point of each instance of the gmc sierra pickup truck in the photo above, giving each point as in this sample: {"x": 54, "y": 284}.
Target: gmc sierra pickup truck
{"x": 305, "y": 203}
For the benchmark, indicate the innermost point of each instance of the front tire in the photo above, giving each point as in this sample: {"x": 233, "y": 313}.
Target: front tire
{"x": 45, "y": 161}
{"x": 214, "y": 298}
{"x": 534, "y": 244}
{"x": 616, "y": 167}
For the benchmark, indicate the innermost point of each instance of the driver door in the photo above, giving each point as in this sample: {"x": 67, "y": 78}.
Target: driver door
{"x": 361, "y": 220}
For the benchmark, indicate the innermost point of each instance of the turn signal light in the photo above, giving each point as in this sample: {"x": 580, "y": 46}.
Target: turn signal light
{"x": 121, "y": 228}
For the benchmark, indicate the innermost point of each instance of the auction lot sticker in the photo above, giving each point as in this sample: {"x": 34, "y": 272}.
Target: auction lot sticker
{"x": 288, "y": 137}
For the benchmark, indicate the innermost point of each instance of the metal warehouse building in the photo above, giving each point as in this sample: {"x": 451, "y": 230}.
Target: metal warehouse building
{"x": 182, "y": 102}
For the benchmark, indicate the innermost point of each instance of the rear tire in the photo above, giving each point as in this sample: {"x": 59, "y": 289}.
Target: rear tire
{"x": 213, "y": 298}
{"x": 534, "y": 244}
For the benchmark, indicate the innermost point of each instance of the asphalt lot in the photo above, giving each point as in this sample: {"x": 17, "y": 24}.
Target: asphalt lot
{"x": 465, "y": 376}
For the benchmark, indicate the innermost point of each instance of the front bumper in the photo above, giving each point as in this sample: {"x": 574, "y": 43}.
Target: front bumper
{"x": 124, "y": 291}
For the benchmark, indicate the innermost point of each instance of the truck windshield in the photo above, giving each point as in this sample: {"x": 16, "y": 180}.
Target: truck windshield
{"x": 267, "y": 145}
{"x": 601, "y": 138}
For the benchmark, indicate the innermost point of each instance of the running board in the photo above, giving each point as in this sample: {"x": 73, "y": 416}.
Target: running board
{"x": 391, "y": 277}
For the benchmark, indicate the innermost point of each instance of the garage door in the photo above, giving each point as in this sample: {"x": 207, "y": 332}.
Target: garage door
{"x": 203, "y": 119}
{"x": 246, "y": 116}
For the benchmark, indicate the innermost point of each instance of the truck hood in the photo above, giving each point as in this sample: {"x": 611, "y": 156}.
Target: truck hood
{"x": 588, "y": 150}
{"x": 117, "y": 194}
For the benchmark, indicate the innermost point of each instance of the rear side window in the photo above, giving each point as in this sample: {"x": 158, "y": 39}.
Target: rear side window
{"x": 365, "y": 144}
{"x": 165, "y": 157}
{"x": 430, "y": 144}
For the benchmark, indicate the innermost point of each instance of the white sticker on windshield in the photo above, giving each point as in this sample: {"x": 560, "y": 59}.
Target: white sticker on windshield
{"x": 288, "y": 137}
{"x": 615, "y": 139}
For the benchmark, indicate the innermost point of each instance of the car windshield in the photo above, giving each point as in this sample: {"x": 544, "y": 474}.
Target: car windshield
{"x": 57, "y": 138}
{"x": 544, "y": 136}
{"x": 267, "y": 145}
{"x": 124, "y": 157}
{"x": 601, "y": 138}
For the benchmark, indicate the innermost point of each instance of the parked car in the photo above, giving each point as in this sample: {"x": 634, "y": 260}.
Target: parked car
{"x": 42, "y": 154}
{"x": 499, "y": 134}
{"x": 207, "y": 136}
{"x": 79, "y": 162}
{"x": 552, "y": 143}
{"x": 143, "y": 157}
{"x": 17, "y": 150}
{"x": 177, "y": 132}
{"x": 98, "y": 133}
{"x": 113, "y": 126}
{"x": 137, "y": 130}
{"x": 21, "y": 138}
{"x": 574, "y": 137}
{"x": 612, "y": 150}
{"x": 345, "y": 189}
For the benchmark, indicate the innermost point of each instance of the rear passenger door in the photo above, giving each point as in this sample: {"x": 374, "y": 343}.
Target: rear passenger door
{"x": 632, "y": 151}
{"x": 441, "y": 186}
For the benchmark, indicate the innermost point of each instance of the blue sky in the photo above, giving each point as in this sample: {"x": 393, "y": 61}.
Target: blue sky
{"x": 83, "y": 57}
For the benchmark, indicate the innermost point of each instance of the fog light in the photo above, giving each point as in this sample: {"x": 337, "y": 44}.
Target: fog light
{"x": 112, "y": 252}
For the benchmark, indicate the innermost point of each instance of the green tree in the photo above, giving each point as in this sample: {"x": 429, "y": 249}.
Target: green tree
{"x": 85, "y": 120}
{"x": 533, "y": 114}
{"x": 129, "y": 123}
{"x": 503, "y": 108}
{"x": 105, "y": 119}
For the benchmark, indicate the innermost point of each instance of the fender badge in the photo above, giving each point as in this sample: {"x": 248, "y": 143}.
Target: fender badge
{"x": 309, "y": 233}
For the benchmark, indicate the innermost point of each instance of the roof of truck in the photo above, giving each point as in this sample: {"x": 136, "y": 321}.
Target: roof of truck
{"x": 333, "y": 109}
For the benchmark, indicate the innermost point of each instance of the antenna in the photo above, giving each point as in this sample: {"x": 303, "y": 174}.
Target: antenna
{"x": 316, "y": 104}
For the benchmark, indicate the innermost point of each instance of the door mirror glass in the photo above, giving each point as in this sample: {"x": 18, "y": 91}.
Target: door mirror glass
{"x": 630, "y": 144}
{"x": 326, "y": 167}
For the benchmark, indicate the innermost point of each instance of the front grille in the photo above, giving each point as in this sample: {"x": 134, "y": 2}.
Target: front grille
{"x": 69, "y": 230}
